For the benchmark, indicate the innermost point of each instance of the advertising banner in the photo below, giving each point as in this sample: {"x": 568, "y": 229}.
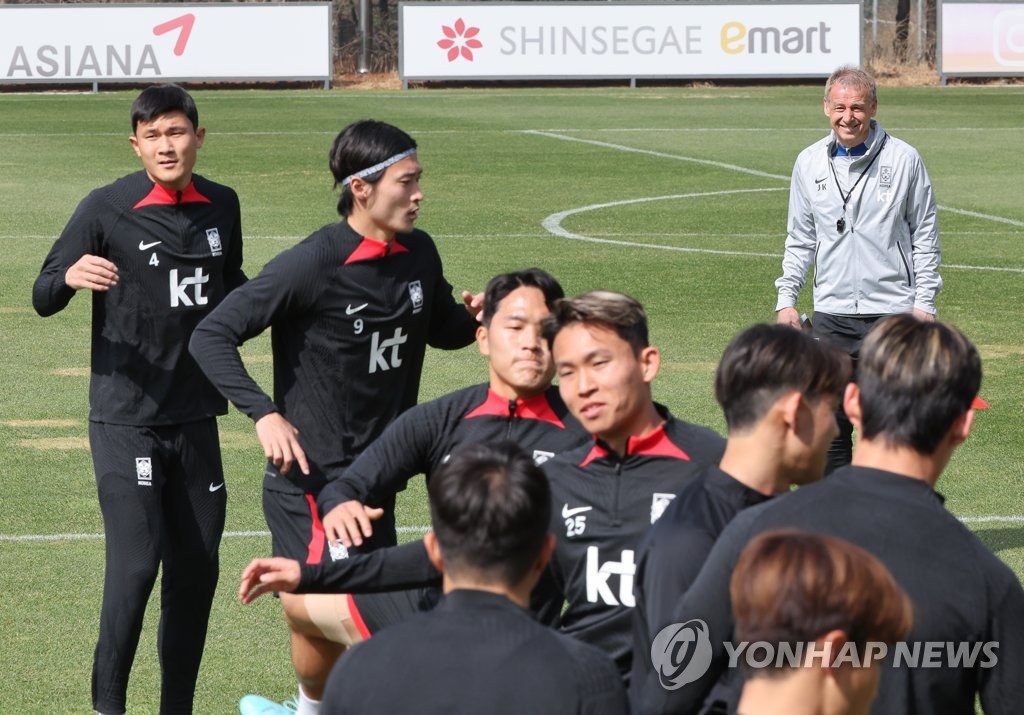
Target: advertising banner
{"x": 981, "y": 38}
{"x": 164, "y": 42}
{"x": 586, "y": 40}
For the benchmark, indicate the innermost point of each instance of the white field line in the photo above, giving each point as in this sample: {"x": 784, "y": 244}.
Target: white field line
{"x": 32, "y": 538}
{"x": 227, "y": 535}
{"x": 553, "y": 222}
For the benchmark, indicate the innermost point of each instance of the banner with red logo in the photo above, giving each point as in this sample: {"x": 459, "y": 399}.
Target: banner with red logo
{"x": 164, "y": 42}
{"x": 981, "y": 38}
{"x": 495, "y": 40}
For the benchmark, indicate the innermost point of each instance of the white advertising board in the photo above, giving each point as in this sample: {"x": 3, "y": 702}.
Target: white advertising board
{"x": 579, "y": 39}
{"x": 981, "y": 38}
{"x": 166, "y": 41}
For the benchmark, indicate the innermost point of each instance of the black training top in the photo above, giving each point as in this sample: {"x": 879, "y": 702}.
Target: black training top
{"x": 964, "y": 597}
{"x": 422, "y": 438}
{"x": 602, "y": 506}
{"x": 674, "y": 549}
{"x": 178, "y": 253}
{"x": 476, "y": 652}
{"x": 351, "y": 318}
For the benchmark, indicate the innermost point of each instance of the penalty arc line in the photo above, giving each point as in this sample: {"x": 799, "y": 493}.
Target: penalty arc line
{"x": 740, "y": 169}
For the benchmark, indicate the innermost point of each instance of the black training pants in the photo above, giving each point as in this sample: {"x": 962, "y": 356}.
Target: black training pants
{"x": 163, "y": 498}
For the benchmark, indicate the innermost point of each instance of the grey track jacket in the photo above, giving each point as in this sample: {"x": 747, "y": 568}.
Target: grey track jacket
{"x": 887, "y": 257}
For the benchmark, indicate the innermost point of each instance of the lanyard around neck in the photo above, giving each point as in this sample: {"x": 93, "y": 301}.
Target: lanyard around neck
{"x": 841, "y": 223}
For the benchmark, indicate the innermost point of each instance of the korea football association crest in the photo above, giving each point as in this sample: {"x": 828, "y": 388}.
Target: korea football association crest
{"x": 416, "y": 296}
{"x": 213, "y": 238}
{"x": 659, "y": 503}
{"x": 144, "y": 471}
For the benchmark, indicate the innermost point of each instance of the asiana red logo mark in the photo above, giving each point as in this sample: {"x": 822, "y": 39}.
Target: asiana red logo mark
{"x": 460, "y": 40}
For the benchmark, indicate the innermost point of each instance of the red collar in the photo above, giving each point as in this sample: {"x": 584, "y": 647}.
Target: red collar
{"x": 370, "y": 248}
{"x": 655, "y": 444}
{"x": 159, "y": 196}
{"x": 532, "y": 408}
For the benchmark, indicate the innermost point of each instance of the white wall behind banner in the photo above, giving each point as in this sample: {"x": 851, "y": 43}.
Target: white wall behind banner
{"x": 494, "y": 40}
{"x": 166, "y": 41}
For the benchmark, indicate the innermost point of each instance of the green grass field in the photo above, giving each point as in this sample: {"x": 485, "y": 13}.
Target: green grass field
{"x": 677, "y": 196}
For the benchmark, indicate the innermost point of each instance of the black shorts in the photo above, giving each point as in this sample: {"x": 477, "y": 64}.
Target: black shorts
{"x": 373, "y": 611}
{"x": 297, "y": 532}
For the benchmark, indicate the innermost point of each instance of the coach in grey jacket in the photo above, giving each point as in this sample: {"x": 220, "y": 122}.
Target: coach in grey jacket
{"x": 862, "y": 211}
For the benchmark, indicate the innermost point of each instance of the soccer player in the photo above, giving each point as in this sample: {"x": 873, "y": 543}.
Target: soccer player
{"x": 912, "y": 405}
{"x": 779, "y": 389}
{"x": 158, "y": 249}
{"x": 480, "y": 650}
{"x": 608, "y": 493}
{"x": 829, "y": 602}
{"x": 352, "y": 309}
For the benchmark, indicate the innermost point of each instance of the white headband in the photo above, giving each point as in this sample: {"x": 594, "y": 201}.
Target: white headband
{"x": 377, "y": 167}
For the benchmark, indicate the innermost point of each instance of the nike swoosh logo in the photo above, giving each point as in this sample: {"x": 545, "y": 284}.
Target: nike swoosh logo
{"x": 215, "y": 487}
{"x": 567, "y": 512}
{"x": 146, "y": 246}
{"x": 818, "y": 181}
{"x": 349, "y": 310}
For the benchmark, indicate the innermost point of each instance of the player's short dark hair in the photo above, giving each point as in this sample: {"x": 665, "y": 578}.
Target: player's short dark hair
{"x": 617, "y": 312}
{"x": 792, "y": 587}
{"x": 491, "y": 511}
{"x": 499, "y": 287}
{"x": 163, "y": 99}
{"x": 765, "y": 361}
{"x": 916, "y": 378}
{"x": 361, "y": 145}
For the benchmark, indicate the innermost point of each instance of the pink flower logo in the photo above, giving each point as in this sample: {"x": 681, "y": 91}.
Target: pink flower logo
{"x": 459, "y": 40}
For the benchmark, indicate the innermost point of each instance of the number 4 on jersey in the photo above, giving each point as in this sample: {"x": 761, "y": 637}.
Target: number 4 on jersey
{"x": 154, "y": 261}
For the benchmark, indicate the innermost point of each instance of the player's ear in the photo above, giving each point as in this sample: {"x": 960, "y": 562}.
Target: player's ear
{"x": 650, "y": 362}
{"x": 789, "y": 405}
{"x": 134, "y": 141}
{"x": 481, "y": 341}
{"x": 433, "y": 550}
{"x": 851, "y": 404}
{"x": 200, "y": 137}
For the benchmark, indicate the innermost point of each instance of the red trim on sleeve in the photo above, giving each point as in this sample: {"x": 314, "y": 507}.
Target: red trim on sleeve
{"x": 159, "y": 196}
{"x": 357, "y": 617}
{"x": 315, "y": 550}
{"x": 370, "y": 248}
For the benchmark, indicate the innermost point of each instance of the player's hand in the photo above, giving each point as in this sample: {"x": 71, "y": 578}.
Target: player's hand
{"x": 788, "y": 316}
{"x": 474, "y": 304}
{"x": 265, "y": 575}
{"x": 924, "y": 315}
{"x": 280, "y": 441}
{"x": 91, "y": 273}
{"x": 349, "y": 522}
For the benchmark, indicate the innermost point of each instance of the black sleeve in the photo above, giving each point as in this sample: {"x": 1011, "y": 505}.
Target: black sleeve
{"x": 547, "y": 599}
{"x": 410, "y": 445}
{"x": 451, "y": 325}
{"x": 285, "y": 285}
{"x": 1000, "y": 685}
{"x": 83, "y": 235}
{"x": 397, "y": 568}
{"x": 707, "y": 600}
